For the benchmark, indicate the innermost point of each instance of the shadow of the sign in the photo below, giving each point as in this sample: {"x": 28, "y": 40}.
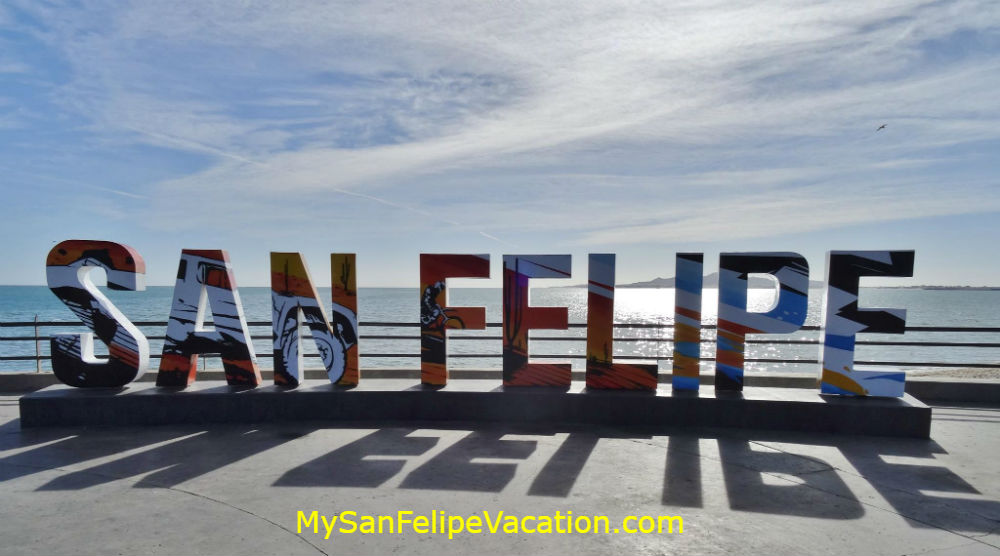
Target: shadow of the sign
{"x": 807, "y": 475}
{"x": 757, "y": 478}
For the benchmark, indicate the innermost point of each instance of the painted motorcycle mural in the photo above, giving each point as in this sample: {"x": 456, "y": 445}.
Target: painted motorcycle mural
{"x": 294, "y": 299}
{"x": 436, "y": 317}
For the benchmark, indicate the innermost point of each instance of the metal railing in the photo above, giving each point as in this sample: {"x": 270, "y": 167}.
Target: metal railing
{"x": 40, "y": 343}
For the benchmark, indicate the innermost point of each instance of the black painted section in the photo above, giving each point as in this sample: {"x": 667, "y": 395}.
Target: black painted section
{"x": 396, "y": 400}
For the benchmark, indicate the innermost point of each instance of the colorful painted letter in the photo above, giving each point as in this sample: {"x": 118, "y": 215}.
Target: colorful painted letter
{"x": 436, "y": 317}
{"x": 344, "y": 278}
{"x": 519, "y": 317}
{"x": 687, "y": 321}
{"x": 205, "y": 276}
{"x": 735, "y": 322}
{"x": 67, "y": 269}
{"x": 602, "y": 372}
{"x": 293, "y": 297}
{"x": 844, "y": 319}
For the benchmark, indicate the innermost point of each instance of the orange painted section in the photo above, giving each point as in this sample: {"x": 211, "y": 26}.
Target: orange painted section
{"x": 177, "y": 370}
{"x": 843, "y": 382}
{"x": 122, "y": 257}
{"x": 542, "y": 374}
{"x": 686, "y": 366}
{"x": 731, "y": 358}
{"x": 685, "y": 333}
{"x": 344, "y": 283}
{"x": 289, "y": 275}
{"x": 622, "y": 376}
{"x": 124, "y": 355}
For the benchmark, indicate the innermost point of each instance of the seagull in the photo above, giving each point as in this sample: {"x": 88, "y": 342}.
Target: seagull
{"x": 881, "y": 127}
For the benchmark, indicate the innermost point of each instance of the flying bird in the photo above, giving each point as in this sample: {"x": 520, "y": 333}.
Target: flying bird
{"x": 881, "y": 127}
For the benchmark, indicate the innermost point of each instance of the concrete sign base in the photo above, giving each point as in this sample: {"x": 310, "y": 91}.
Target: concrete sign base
{"x": 384, "y": 400}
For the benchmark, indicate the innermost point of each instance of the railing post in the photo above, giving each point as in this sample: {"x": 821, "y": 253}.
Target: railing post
{"x": 38, "y": 349}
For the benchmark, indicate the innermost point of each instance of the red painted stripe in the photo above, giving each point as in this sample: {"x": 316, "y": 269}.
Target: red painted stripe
{"x": 689, "y": 313}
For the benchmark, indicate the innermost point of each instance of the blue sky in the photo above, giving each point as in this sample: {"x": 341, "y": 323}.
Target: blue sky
{"x": 394, "y": 129}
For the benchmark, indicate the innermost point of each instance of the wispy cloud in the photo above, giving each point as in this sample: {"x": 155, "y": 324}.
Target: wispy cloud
{"x": 606, "y": 123}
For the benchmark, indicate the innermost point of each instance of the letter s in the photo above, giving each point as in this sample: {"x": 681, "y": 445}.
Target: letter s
{"x": 67, "y": 271}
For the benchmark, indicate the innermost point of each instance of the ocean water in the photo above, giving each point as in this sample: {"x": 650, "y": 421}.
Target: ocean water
{"x": 646, "y": 306}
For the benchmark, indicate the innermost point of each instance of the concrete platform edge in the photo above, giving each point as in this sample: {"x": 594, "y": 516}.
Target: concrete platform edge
{"x": 395, "y": 400}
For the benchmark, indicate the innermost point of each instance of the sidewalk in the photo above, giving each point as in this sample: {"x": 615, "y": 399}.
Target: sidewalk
{"x": 237, "y": 489}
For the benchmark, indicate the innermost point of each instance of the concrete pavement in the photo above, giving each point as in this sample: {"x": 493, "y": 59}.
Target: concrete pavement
{"x": 237, "y": 489}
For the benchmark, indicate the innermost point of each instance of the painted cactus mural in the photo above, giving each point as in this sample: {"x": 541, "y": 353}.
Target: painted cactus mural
{"x": 602, "y": 371}
{"x": 294, "y": 298}
{"x": 436, "y": 317}
{"x": 344, "y": 282}
{"x": 67, "y": 270}
{"x": 844, "y": 319}
{"x": 205, "y": 277}
{"x": 687, "y": 321}
{"x": 519, "y": 317}
{"x": 735, "y": 322}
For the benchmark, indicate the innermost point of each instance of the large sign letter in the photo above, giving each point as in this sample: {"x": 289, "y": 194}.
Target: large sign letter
{"x": 67, "y": 270}
{"x": 844, "y": 320}
{"x": 519, "y": 317}
{"x": 436, "y": 317}
{"x": 735, "y": 322}
{"x": 602, "y": 372}
{"x": 293, "y": 297}
{"x": 688, "y": 281}
{"x": 206, "y": 277}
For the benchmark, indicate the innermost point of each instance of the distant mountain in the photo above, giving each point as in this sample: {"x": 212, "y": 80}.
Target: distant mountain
{"x": 711, "y": 281}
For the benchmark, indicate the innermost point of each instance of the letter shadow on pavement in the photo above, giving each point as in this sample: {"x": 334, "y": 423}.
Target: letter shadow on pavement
{"x": 182, "y": 456}
{"x": 918, "y": 492}
{"x": 452, "y": 469}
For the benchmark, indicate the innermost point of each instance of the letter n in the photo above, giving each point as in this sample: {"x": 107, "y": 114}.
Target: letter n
{"x": 294, "y": 298}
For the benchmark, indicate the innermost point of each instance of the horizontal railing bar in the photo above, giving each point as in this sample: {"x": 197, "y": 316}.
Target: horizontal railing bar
{"x": 569, "y": 356}
{"x": 583, "y": 338}
{"x": 41, "y": 324}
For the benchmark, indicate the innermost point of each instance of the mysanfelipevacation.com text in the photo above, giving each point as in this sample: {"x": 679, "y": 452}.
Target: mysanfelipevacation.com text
{"x": 438, "y": 522}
